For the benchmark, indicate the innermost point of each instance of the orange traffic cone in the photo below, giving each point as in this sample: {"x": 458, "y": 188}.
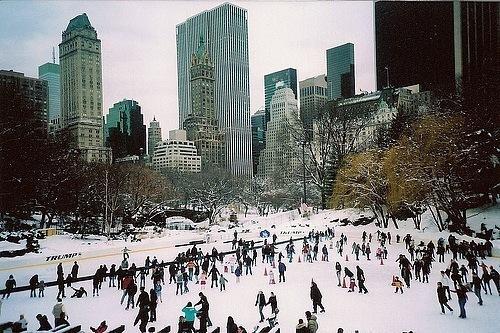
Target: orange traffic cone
{"x": 265, "y": 271}
{"x": 299, "y": 259}
{"x": 381, "y": 261}
{"x": 346, "y": 258}
{"x": 343, "y": 284}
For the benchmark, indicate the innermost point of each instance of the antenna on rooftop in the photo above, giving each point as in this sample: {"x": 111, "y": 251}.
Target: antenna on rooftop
{"x": 53, "y": 55}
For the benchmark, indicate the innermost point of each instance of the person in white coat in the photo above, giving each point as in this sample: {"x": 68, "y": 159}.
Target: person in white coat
{"x": 445, "y": 281}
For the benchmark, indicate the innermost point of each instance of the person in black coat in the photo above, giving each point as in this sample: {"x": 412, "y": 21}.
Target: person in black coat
{"x": 142, "y": 317}
{"x": 153, "y": 302}
{"x": 33, "y": 285}
{"x": 273, "y": 302}
{"x": 44, "y": 323}
{"x": 143, "y": 298}
{"x": 9, "y": 285}
{"x": 261, "y": 302}
{"x": 231, "y": 326}
{"x": 203, "y": 311}
{"x": 443, "y": 300}
{"x": 361, "y": 280}
{"x": 282, "y": 270}
{"x": 316, "y": 297}
{"x": 214, "y": 272}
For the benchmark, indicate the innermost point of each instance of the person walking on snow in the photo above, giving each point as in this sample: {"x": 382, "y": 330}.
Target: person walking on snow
{"x": 281, "y": 270}
{"x": 316, "y": 297}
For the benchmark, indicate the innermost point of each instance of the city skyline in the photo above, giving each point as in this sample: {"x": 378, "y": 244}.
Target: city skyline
{"x": 146, "y": 73}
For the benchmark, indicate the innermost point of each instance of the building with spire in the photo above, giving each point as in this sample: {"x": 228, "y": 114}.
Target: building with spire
{"x": 225, "y": 32}
{"x": 81, "y": 89}
{"x": 201, "y": 125}
{"x": 126, "y": 132}
{"x": 154, "y": 136}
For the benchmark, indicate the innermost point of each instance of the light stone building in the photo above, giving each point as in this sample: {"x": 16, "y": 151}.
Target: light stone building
{"x": 177, "y": 153}
{"x": 279, "y": 160}
{"x": 154, "y": 136}
{"x": 81, "y": 88}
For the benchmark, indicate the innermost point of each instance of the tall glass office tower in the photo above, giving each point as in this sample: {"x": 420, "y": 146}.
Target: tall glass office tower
{"x": 225, "y": 30}
{"x": 340, "y": 71}
{"x": 50, "y": 73}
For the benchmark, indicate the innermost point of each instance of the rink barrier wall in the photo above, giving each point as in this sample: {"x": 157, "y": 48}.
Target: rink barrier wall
{"x": 165, "y": 264}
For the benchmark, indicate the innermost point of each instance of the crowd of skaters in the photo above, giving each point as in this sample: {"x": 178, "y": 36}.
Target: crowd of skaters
{"x": 193, "y": 267}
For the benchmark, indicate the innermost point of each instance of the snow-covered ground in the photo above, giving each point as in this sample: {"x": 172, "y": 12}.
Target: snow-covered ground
{"x": 378, "y": 311}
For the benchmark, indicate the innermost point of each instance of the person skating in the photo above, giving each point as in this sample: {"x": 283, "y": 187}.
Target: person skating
{"x": 496, "y": 278}
{"x": 222, "y": 282}
{"x": 33, "y": 285}
{"x": 398, "y": 284}
{"x": 281, "y": 270}
{"x": 57, "y": 310}
{"x": 101, "y": 328}
{"x": 43, "y": 321}
{"x": 231, "y": 327}
{"x": 142, "y": 318}
{"x": 79, "y": 292}
{"x": 9, "y": 285}
{"x": 261, "y": 302}
{"x": 361, "y": 280}
{"x": 273, "y": 302}
{"x": 143, "y": 298}
{"x": 74, "y": 271}
{"x": 190, "y": 315}
{"x": 316, "y": 297}
{"x": 205, "y": 307}
{"x": 131, "y": 291}
{"x": 443, "y": 301}
{"x": 462, "y": 299}
{"x": 338, "y": 271}
{"x": 60, "y": 287}
{"x": 301, "y": 327}
{"x": 95, "y": 284}
{"x": 445, "y": 282}
{"x": 312, "y": 323}
{"x": 179, "y": 280}
{"x": 183, "y": 326}
{"x": 214, "y": 272}
{"x": 476, "y": 282}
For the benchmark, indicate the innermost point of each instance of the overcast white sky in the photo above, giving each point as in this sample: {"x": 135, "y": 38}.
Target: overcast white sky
{"x": 139, "y": 50}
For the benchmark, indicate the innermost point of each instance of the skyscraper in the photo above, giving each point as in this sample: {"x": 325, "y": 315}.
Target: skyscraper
{"x": 154, "y": 136}
{"x": 225, "y": 30}
{"x": 201, "y": 124}
{"x": 34, "y": 92}
{"x": 312, "y": 98}
{"x": 435, "y": 44}
{"x": 50, "y": 73}
{"x": 259, "y": 126}
{"x": 81, "y": 88}
{"x": 279, "y": 159}
{"x": 340, "y": 71}
{"x": 126, "y": 129}
{"x": 287, "y": 76}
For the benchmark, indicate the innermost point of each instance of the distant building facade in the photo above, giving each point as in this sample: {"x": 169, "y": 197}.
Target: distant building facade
{"x": 225, "y": 30}
{"x": 340, "y": 72}
{"x": 177, "y": 153}
{"x": 437, "y": 44}
{"x": 287, "y": 76}
{"x": 313, "y": 97}
{"x": 154, "y": 136}
{"x": 81, "y": 88}
{"x": 278, "y": 159}
{"x": 50, "y": 72}
{"x": 34, "y": 92}
{"x": 259, "y": 127}
{"x": 126, "y": 132}
{"x": 201, "y": 125}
